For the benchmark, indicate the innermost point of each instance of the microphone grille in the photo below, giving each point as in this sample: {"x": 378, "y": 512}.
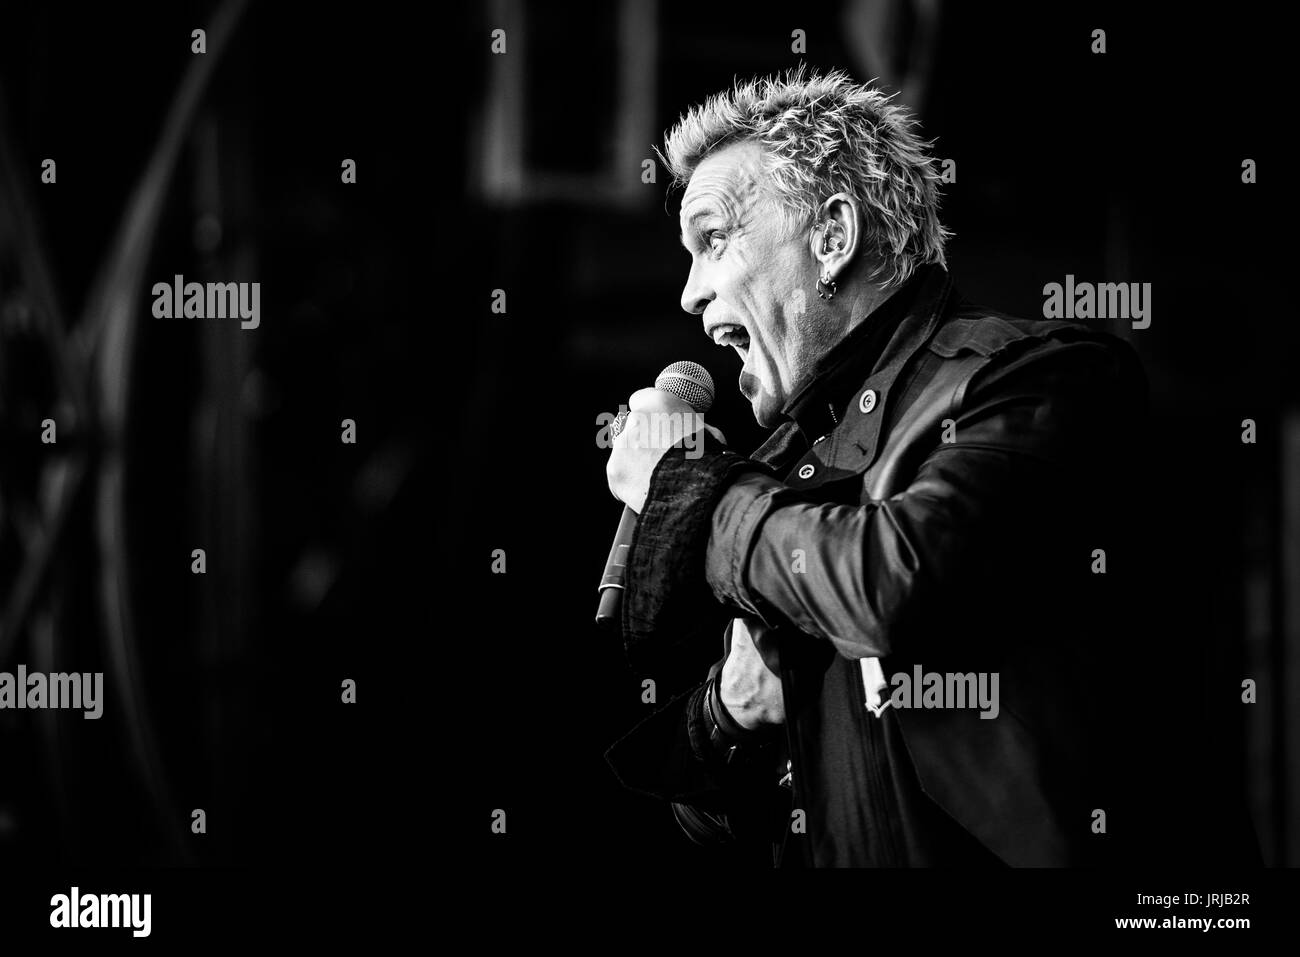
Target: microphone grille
{"x": 690, "y": 382}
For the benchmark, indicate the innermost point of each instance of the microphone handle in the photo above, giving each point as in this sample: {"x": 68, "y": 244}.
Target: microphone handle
{"x": 609, "y": 614}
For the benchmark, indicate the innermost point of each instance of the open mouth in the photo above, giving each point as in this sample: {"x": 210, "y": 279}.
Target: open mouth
{"x": 735, "y": 336}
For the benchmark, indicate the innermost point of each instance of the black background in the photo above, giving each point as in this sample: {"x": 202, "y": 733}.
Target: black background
{"x": 481, "y": 691}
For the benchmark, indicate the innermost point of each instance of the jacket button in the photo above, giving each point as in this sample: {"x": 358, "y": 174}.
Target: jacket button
{"x": 806, "y": 472}
{"x": 868, "y": 401}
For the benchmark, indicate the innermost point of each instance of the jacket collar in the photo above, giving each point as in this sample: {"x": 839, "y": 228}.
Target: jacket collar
{"x": 885, "y": 339}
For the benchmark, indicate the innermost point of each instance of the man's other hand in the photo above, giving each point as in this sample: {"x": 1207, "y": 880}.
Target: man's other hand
{"x": 750, "y": 690}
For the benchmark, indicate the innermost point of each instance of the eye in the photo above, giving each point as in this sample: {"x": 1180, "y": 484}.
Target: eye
{"x": 715, "y": 239}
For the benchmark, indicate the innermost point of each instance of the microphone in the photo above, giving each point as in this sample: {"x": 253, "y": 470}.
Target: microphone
{"x": 691, "y": 383}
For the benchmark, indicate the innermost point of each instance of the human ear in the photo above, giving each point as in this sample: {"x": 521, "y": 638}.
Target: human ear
{"x": 837, "y": 235}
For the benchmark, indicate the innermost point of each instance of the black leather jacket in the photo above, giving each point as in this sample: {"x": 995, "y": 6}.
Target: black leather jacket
{"x": 937, "y": 499}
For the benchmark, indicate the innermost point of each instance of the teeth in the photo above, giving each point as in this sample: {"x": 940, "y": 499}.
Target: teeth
{"x": 731, "y": 336}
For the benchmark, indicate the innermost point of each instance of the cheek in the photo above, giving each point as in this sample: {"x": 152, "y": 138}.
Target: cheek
{"x": 779, "y": 323}
{"x": 787, "y": 300}
{"x": 767, "y": 290}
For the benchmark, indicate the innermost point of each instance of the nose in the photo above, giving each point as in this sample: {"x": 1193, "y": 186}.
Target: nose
{"x": 697, "y": 294}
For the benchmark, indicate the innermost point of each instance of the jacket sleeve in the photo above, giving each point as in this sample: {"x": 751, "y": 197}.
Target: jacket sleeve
{"x": 1031, "y": 417}
{"x": 666, "y": 755}
{"x": 671, "y": 619}
{"x": 671, "y": 627}
{"x": 717, "y": 796}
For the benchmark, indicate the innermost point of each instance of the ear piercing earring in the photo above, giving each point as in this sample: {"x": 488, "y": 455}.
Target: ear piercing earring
{"x": 826, "y": 285}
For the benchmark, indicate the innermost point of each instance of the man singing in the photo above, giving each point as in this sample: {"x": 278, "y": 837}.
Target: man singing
{"x": 913, "y": 670}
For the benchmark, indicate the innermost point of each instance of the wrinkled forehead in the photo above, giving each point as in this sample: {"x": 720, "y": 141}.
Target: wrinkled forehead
{"x": 728, "y": 181}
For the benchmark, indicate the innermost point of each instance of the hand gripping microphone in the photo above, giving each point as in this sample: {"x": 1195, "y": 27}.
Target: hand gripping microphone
{"x": 691, "y": 383}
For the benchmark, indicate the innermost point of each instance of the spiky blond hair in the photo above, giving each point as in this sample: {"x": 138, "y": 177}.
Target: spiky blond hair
{"x": 823, "y": 134}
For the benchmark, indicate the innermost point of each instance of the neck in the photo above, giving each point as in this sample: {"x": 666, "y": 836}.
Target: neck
{"x": 853, "y": 306}
{"x": 862, "y": 300}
